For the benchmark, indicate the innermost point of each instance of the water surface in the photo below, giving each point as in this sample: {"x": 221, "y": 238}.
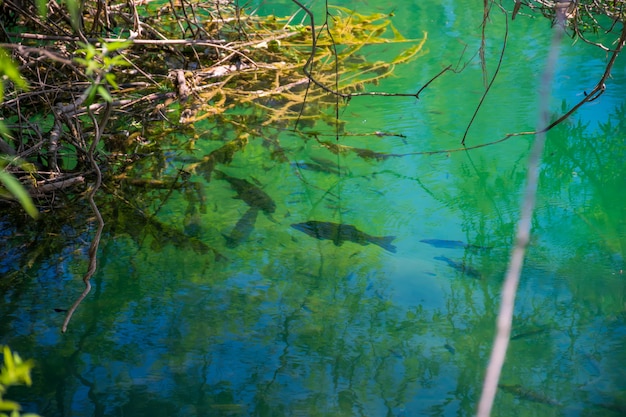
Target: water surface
{"x": 286, "y": 324}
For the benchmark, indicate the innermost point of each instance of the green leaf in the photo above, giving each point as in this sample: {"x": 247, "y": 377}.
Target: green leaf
{"x": 92, "y": 90}
{"x": 397, "y": 36}
{"x": 6, "y": 405}
{"x": 41, "y": 7}
{"x": 3, "y": 129}
{"x": 110, "y": 78}
{"x": 104, "y": 94}
{"x": 73, "y": 7}
{"x": 114, "y": 46}
{"x": 8, "y": 68}
{"x": 19, "y": 192}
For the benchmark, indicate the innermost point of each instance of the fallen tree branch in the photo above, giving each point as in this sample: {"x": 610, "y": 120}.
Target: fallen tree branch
{"x": 44, "y": 187}
{"x": 95, "y": 243}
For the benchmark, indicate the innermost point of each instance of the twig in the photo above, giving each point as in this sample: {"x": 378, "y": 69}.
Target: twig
{"x": 495, "y": 74}
{"x": 93, "y": 248}
{"x": 185, "y": 42}
{"x": 509, "y": 288}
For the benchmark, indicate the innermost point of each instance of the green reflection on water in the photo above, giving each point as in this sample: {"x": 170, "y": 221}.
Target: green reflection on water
{"x": 284, "y": 324}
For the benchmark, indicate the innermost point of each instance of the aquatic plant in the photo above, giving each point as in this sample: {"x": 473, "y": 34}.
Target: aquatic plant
{"x": 14, "y": 371}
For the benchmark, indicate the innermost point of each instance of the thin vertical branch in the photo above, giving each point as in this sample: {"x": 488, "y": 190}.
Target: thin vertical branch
{"x": 495, "y": 74}
{"x": 95, "y": 243}
{"x": 509, "y": 288}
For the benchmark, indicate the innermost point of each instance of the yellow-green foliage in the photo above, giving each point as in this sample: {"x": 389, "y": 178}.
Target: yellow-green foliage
{"x": 14, "y": 371}
{"x": 10, "y": 72}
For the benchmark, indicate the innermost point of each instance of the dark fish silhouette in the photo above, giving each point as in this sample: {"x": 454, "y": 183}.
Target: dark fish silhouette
{"x": 362, "y": 153}
{"x": 242, "y": 229}
{"x": 460, "y": 266}
{"x": 222, "y": 155}
{"x": 451, "y": 244}
{"x": 311, "y": 166}
{"x": 446, "y": 244}
{"x": 615, "y": 406}
{"x": 328, "y": 164}
{"x": 525, "y": 394}
{"x": 531, "y": 332}
{"x": 249, "y": 193}
{"x": 340, "y": 233}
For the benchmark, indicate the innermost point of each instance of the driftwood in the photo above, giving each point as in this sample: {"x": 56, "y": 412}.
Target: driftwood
{"x": 57, "y": 184}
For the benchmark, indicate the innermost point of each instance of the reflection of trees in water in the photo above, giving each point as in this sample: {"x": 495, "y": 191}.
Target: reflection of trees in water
{"x": 570, "y": 294}
{"x": 334, "y": 339}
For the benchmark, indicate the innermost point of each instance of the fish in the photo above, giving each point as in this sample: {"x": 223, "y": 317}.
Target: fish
{"x": 329, "y": 164}
{"x": 339, "y": 233}
{"x": 617, "y": 407}
{"x": 362, "y": 153}
{"x": 460, "y": 266}
{"x": 310, "y": 166}
{"x": 138, "y": 223}
{"x": 529, "y": 333}
{"x": 449, "y": 348}
{"x": 446, "y": 244}
{"x": 451, "y": 244}
{"x": 252, "y": 195}
{"x": 192, "y": 223}
{"x": 222, "y": 155}
{"x": 242, "y": 229}
{"x": 526, "y": 394}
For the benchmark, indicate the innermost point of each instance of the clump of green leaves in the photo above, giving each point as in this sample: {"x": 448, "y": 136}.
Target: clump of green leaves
{"x": 98, "y": 63}
{"x": 14, "y": 371}
{"x": 9, "y": 185}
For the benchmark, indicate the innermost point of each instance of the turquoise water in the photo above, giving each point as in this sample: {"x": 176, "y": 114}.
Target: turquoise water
{"x": 291, "y": 325}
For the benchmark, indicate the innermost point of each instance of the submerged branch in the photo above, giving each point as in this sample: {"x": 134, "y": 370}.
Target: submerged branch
{"x": 95, "y": 243}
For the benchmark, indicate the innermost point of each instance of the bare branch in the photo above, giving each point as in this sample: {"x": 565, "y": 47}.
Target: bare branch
{"x": 509, "y": 288}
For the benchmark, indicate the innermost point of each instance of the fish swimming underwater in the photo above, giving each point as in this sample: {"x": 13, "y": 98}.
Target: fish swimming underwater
{"x": 446, "y": 244}
{"x": 530, "y": 332}
{"x": 460, "y": 266}
{"x": 252, "y": 195}
{"x": 451, "y": 244}
{"x": 526, "y": 394}
{"x": 340, "y": 233}
{"x": 242, "y": 229}
{"x": 310, "y": 166}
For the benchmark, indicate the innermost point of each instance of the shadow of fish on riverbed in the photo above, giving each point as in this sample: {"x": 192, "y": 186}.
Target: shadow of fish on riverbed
{"x": 460, "y": 266}
{"x": 339, "y": 233}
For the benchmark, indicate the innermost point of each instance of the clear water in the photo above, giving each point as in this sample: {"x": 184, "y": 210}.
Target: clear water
{"x": 291, "y": 325}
